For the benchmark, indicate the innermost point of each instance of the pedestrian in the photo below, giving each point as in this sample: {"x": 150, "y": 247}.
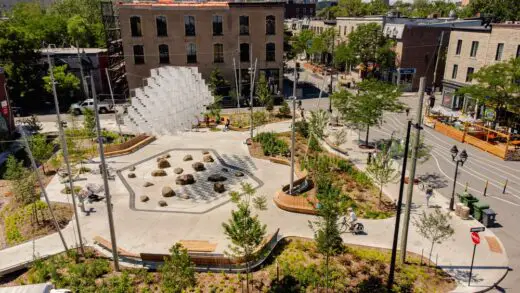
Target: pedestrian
{"x": 407, "y": 112}
{"x": 228, "y": 122}
{"x": 429, "y": 194}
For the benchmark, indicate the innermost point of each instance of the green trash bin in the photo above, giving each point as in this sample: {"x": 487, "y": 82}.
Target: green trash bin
{"x": 478, "y": 210}
{"x": 465, "y": 197}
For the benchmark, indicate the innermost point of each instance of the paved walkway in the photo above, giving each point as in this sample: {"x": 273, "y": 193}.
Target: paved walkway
{"x": 154, "y": 232}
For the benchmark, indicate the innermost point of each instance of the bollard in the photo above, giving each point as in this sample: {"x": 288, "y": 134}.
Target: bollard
{"x": 369, "y": 160}
{"x": 485, "y": 187}
{"x": 505, "y": 186}
{"x": 466, "y": 188}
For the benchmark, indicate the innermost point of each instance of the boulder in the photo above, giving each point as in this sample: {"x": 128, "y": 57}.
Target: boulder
{"x": 163, "y": 164}
{"x": 147, "y": 184}
{"x": 198, "y": 166}
{"x": 132, "y": 168}
{"x": 167, "y": 156}
{"x": 205, "y": 152}
{"x": 239, "y": 174}
{"x": 184, "y": 196}
{"x": 208, "y": 159}
{"x": 162, "y": 203}
{"x": 187, "y": 158}
{"x": 167, "y": 191}
{"x": 144, "y": 198}
{"x": 185, "y": 179}
{"x": 219, "y": 187}
{"x": 216, "y": 178}
{"x": 224, "y": 169}
{"x": 158, "y": 173}
{"x": 131, "y": 175}
{"x": 178, "y": 170}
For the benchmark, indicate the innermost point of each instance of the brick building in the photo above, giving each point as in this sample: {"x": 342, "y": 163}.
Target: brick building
{"x": 471, "y": 49}
{"x": 207, "y": 35}
{"x": 300, "y": 9}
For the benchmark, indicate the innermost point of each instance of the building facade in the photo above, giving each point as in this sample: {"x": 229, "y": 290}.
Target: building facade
{"x": 346, "y": 25}
{"x": 206, "y": 35}
{"x": 471, "y": 49}
{"x": 300, "y": 9}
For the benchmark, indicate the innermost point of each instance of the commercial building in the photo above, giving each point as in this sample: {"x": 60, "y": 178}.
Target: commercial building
{"x": 206, "y": 35}
{"x": 471, "y": 49}
{"x": 346, "y": 25}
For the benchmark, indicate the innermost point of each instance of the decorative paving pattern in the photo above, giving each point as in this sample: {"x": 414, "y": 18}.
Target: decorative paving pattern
{"x": 197, "y": 198}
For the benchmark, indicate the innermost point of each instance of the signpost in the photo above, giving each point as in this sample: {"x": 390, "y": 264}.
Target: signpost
{"x": 476, "y": 240}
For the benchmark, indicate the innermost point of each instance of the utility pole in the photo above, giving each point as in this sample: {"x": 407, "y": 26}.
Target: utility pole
{"x": 437, "y": 62}
{"x": 331, "y": 65}
{"x": 83, "y": 81}
{"x": 236, "y": 84}
{"x": 239, "y": 90}
{"x": 42, "y": 187}
{"x": 104, "y": 173}
{"x": 113, "y": 101}
{"x": 293, "y": 128}
{"x": 252, "y": 73}
{"x": 65, "y": 152}
{"x": 411, "y": 175}
{"x": 398, "y": 213}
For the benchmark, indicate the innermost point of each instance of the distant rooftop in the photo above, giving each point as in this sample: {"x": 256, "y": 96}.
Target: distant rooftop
{"x": 72, "y": 50}
{"x": 201, "y": 4}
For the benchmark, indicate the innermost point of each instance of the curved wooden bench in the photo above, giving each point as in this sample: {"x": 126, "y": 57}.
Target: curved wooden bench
{"x": 130, "y": 146}
{"x": 295, "y": 204}
{"x": 108, "y": 246}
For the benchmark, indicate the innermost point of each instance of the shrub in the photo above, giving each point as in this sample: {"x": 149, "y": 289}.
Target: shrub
{"x": 314, "y": 145}
{"x": 302, "y": 127}
{"x": 284, "y": 110}
{"x": 259, "y": 118}
{"x": 271, "y": 145}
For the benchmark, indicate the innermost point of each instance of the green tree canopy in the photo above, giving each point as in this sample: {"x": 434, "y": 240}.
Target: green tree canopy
{"x": 371, "y": 46}
{"x": 367, "y": 106}
{"x": 302, "y": 41}
{"x": 501, "y": 10}
{"x": 177, "y": 272}
{"x": 40, "y": 149}
{"x": 67, "y": 84}
{"x": 218, "y": 85}
{"x": 263, "y": 92}
{"x": 496, "y": 86}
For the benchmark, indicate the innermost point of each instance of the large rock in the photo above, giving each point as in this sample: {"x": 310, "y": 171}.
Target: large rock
{"x": 198, "y": 166}
{"x": 187, "y": 158}
{"x": 144, "y": 198}
{"x": 178, "y": 171}
{"x": 185, "y": 179}
{"x": 147, "y": 184}
{"x": 163, "y": 164}
{"x": 158, "y": 173}
{"x": 216, "y": 178}
{"x": 167, "y": 191}
{"x": 162, "y": 203}
{"x": 239, "y": 174}
{"x": 205, "y": 152}
{"x": 132, "y": 168}
{"x": 208, "y": 159}
{"x": 131, "y": 175}
{"x": 225, "y": 170}
{"x": 184, "y": 196}
{"x": 219, "y": 187}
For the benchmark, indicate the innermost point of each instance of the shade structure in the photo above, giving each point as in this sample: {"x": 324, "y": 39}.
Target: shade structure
{"x": 173, "y": 100}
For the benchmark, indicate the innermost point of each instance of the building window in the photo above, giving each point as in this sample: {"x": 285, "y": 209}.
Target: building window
{"x": 270, "y": 27}
{"x": 311, "y": 11}
{"x": 162, "y": 27}
{"x": 164, "y": 54}
{"x": 270, "y": 52}
{"x": 218, "y": 53}
{"x": 244, "y": 25}
{"x": 189, "y": 25}
{"x": 217, "y": 25}
{"x": 244, "y": 52}
{"x": 469, "y": 75}
{"x": 298, "y": 12}
{"x": 138, "y": 54}
{"x": 454, "y": 72}
{"x": 135, "y": 26}
{"x": 191, "y": 53}
{"x": 459, "y": 47}
{"x": 500, "y": 50}
{"x": 474, "y": 49}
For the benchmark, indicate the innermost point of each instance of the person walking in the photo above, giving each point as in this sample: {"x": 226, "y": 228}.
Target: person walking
{"x": 228, "y": 122}
{"x": 429, "y": 194}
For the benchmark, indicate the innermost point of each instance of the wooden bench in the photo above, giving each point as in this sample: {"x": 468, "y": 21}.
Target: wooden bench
{"x": 198, "y": 245}
{"x": 108, "y": 246}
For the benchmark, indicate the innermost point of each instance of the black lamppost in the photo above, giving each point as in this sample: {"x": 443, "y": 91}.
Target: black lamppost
{"x": 462, "y": 157}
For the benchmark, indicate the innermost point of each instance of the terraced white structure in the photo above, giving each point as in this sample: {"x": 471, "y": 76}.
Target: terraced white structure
{"x": 172, "y": 101}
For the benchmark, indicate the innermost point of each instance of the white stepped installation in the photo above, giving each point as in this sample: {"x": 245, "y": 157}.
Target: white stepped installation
{"x": 171, "y": 102}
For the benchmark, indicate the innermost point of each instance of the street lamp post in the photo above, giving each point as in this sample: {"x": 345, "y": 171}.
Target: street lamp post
{"x": 462, "y": 157}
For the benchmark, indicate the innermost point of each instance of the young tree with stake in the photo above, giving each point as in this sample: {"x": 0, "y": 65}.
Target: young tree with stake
{"x": 178, "y": 271}
{"x": 434, "y": 226}
{"x": 380, "y": 168}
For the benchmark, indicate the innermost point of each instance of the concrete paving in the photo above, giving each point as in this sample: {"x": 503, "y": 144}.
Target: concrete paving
{"x": 156, "y": 232}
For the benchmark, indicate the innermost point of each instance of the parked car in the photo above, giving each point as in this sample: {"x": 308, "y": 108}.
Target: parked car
{"x": 102, "y": 107}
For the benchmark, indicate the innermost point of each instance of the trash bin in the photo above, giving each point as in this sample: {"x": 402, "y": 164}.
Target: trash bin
{"x": 488, "y": 217}
{"x": 478, "y": 208}
{"x": 465, "y": 197}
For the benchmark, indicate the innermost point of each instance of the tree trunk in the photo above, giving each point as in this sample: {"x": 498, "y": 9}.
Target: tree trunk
{"x": 431, "y": 250}
{"x": 380, "y": 194}
{"x": 247, "y": 276}
{"x": 366, "y": 137}
{"x": 327, "y": 273}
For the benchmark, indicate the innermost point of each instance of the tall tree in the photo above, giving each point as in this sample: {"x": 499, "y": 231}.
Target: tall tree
{"x": 500, "y": 10}
{"x": 67, "y": 84}
{"x": 372, "y": 49}
{"x": 177, "y": 272}
{"x": 351, "y": 8}
{"x": 343, "y": 56}
{"x": 263, "y": 92}
{"x": 245, "y": 230}
{"x": 322, "y": 44}
{"x": 367, "y": 106}
{"x": 496, "y": 86}
{"x": 377, "y": 7}
{"x": 301, "y": 42}
{"x": 218, "y": 85}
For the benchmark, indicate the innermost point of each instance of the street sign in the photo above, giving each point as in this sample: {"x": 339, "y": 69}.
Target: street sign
{"x": 475, "y": 238}
{"x": 477, "y": 229}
